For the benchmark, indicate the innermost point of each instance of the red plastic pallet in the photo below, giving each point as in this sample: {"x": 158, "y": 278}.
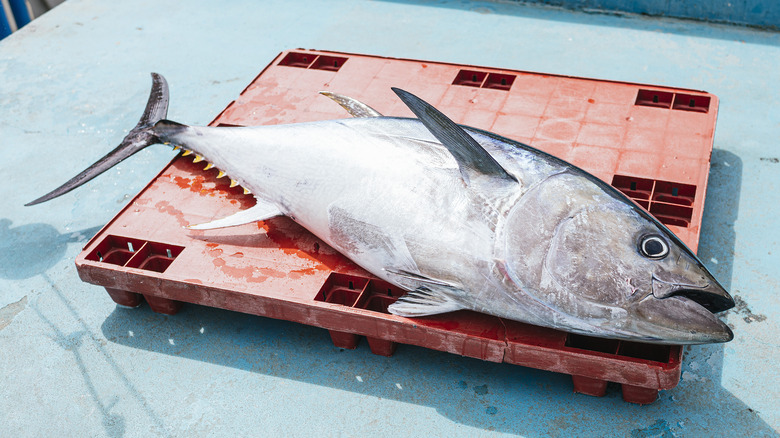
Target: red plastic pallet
{"x": 653, "y": 143}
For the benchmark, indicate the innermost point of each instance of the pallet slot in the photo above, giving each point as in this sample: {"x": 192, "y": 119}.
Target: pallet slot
{"x": 636, "y": 350}
{"x": 298, "y": 59}
{"x": 634, "y": 187}
{"x": 671, "y": 203}
{"x": 470, "y": 78}
{"x": 674, "y": 193}
{"x": 654, "y": 98}
{"x": 115, "y": 250}
{"x": 330, "y": 63}
{"x": 651, "y": 352}
{"x": 691, "y": 102}
{"x": 379, "y": 295}
{"x": 591, "y": 343}
{"x": 342, "y": 289}
{"x": 499, "y": 81}
{"x": 671, "y": 214}
{"x": 154, "y": 256}
{"x": 135, "y": 253}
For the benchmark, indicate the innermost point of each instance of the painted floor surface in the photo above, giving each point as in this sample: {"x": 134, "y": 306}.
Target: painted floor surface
{"x": 73, "y": 364}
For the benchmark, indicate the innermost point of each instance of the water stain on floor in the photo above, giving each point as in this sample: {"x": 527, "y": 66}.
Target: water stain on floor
{"x": 8, "y": 312}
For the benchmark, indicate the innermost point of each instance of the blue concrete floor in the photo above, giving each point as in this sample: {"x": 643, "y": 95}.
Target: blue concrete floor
{"x": 73, "y": 364}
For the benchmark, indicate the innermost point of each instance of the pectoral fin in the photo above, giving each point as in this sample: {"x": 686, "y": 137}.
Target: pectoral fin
{"x": 424, "y": 301}
{"x": 419, "y": 277}
{"x": 262, "y": 211}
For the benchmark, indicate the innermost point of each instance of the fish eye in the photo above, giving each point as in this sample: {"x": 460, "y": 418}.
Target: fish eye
{"x": 653, "y": 246}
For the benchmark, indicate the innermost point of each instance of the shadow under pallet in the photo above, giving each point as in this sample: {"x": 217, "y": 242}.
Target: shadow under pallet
{"x": 652, "y": 143}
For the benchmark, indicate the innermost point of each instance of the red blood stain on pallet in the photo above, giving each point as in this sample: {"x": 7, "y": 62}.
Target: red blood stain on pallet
{"x": 246, "y": 273}
{"x": 296, "y": 274}
{"x": 194, "y": 184}
{"x": 183, "y": 183}
{"x": 287, "y": 236}
{"x": 167, "y": 208}
{"x": 251, "y": 273}
{"x": 272, "y": 272}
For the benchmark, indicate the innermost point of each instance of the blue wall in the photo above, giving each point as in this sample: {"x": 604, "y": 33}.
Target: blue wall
{"x": 761, "y": 13}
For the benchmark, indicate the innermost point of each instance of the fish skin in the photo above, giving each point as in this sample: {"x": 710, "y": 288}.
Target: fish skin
{"x": 386, "y": 194}
{"x": 551, "y": 245}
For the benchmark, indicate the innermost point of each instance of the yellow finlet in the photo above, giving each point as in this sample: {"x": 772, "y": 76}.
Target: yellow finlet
{"x": 220, "y": 174}
{"x": 176, "y": 147}
{"x": 186, "y": 152}
{"x": 208, "y": 166}
{"x": 246, "y": 191}
{"x": 197, "y": 159}
{"x": 233, "y": 183}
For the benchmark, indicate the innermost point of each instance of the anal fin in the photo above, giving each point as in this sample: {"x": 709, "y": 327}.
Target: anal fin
{"x": 262, "y": 211}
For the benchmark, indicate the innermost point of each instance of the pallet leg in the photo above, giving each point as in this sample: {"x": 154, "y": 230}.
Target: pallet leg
{"x": 589, "y": 386}
{"x": 125, "y": 298}
{"x": 381, "y": 347}
{"x": 163, "y": 305}
{"x": 345, "y": 340}
{"x": 639, "y": 395}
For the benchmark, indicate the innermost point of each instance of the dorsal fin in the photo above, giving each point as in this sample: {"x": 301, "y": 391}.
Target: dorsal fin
{"x": 467, "y": 152}
{"x": 353, "y": 106}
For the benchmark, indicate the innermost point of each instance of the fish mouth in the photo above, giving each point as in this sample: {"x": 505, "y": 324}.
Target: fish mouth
{"x": 711, "y": 295}
{"x": 708, "y": 297}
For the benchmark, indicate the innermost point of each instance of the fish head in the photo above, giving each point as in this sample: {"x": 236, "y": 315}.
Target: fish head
{"x": 605, "y": 266}
{"x": 677, "y": 296}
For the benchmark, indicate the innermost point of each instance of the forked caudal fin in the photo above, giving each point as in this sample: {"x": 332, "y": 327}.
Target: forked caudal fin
{"x": 138, "y": 138}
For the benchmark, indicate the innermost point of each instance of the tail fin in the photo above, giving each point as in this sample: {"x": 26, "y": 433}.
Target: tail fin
{"x": 138, "y": 138}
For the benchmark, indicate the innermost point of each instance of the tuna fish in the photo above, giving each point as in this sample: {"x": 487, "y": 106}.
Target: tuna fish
{"x": 459, "y": 217}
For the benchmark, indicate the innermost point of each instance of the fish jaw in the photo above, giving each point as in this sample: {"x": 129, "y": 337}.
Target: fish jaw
{"x": 678, "y": 320}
